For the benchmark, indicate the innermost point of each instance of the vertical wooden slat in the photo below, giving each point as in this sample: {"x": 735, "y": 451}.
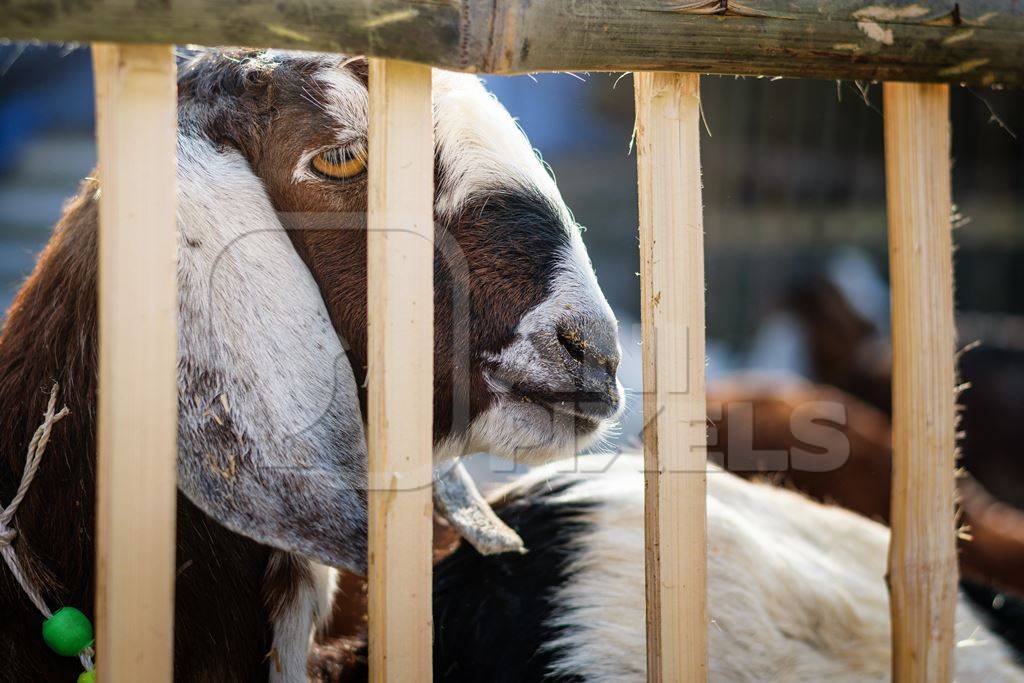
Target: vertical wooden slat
{"x": 922, "y": 556}
{"x": 401, "y": 333}
{"x": 137, "y": 441}
{"x": 672, "y": 307}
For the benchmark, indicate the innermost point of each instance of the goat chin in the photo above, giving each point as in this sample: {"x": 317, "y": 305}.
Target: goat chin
{"x": 796, "y": 590}
{"x": 526, "y": 433}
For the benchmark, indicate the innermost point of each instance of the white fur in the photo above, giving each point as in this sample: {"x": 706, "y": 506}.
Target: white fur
{"x": 251, "y": 311}
{"x": 310, "y": 608}
{"x": 526, "y": 432}
{"x": 249, "y": 304}
{"x": 267, "y": 400}
{"x": 481, "y": 147}
{"x": 796, "y": 590}
{"x": 258, "y": 346}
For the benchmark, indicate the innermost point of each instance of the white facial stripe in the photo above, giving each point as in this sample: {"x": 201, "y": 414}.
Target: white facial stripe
{"x": 574, "y": 289}
{"x": 344, "y": 97}
{"x": 482, "y": 149}
{"x": 480, "y": 146}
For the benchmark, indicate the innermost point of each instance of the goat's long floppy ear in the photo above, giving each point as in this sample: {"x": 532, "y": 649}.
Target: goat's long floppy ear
{"x": 271, "y": 440}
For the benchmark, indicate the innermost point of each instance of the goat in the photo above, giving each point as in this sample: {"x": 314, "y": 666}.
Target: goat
{"x": 272, "y": 352}
{"x": 796, "y": 590}
{"x": 848, "y": 351}
{"x": 755, "y": 428}
{"x": 833, "y": 448}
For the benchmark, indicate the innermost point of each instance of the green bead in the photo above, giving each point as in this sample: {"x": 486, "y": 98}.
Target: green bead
{"x": 87, "y": 677}
{"x": 68, "y": 631}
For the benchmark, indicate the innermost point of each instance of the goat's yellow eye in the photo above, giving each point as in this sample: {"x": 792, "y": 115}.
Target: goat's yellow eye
{"x": 340, "y": 163}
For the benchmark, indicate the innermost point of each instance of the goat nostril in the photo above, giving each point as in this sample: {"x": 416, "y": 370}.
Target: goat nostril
{"x": 591, "y": 346}
{"x": 574, "y": 343}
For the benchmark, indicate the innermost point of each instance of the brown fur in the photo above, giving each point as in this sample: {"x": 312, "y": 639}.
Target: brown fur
{"x": 220, "y": 624}
{"x": 275, "y": 119}
{"x": 993, "y": 550}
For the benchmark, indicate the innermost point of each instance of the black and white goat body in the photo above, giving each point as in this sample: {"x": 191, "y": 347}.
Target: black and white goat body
{"x": 796, "y": 590}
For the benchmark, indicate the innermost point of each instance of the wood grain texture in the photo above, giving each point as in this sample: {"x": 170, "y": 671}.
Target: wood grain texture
{"x": 400, "y": 375}
{"x": 415, "y": 30}
{"x": 136, "y": 121}
{"x": 922, "y": 557}
{"x": 672, "y": 308}
{"x": 979, "y": 42}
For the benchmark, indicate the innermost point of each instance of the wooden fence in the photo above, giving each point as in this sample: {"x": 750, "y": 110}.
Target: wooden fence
{"x": 979, "y": 43}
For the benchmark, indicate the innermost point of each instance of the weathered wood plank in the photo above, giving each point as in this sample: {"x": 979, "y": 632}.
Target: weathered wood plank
{"x": 415, "y": 30}
{"x": 674, "y": 405}
{"x": 136, "y": 119}
{"x": 922, "y": 556}
{"x": 400, "y": 263}
{"x": 980, "y": 42}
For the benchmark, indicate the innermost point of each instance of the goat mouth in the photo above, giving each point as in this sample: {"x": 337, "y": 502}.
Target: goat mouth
{"x": 588, "y": 409}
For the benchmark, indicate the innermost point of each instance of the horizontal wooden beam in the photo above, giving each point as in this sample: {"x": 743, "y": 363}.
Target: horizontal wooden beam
{"x": 979, "y": 42}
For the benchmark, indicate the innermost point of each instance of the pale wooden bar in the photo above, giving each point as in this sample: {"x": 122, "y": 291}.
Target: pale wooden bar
{"x": 136, "y": 121}
{"x": 400, "y": 374}
{"x": 922, "y": 557}
{"x": 675, "y": 439}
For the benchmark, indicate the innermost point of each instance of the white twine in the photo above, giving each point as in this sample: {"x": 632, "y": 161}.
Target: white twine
{"x": 7, "y": 531}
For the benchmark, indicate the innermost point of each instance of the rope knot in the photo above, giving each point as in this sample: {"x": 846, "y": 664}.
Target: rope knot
{"x": 7, "y": 536}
